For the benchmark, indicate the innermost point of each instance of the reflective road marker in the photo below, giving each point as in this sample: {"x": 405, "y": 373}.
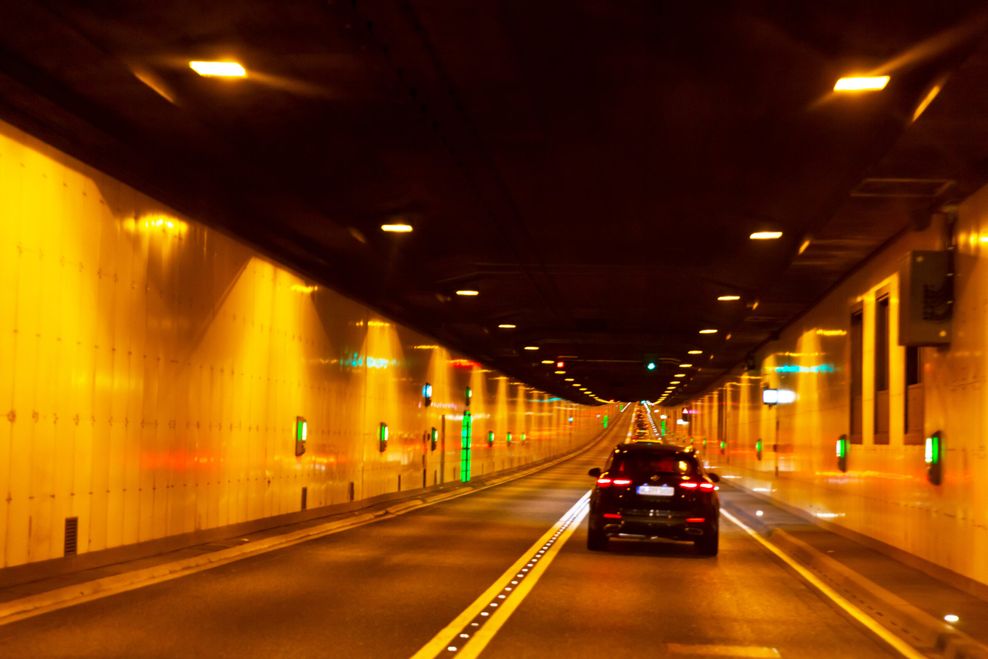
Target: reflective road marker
{"x": 472, "y": 630}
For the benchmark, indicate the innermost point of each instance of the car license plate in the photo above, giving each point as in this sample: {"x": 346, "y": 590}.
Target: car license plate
{"x": 656, "y": 490}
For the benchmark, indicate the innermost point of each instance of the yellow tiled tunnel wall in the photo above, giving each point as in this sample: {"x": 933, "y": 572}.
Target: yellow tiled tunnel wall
{"x": 151, "y": 373}
{"x": 885, "y": 493}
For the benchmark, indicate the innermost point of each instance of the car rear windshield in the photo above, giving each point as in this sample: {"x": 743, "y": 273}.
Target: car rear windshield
{"x": 645, "y": 464}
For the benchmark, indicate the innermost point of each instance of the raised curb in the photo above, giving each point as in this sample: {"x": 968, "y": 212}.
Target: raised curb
{"x": 31, "y": 605}
{"x": 917, "y": 627}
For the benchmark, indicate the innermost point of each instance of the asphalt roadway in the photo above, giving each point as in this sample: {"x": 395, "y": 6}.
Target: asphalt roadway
{"x": 387, "y": 589}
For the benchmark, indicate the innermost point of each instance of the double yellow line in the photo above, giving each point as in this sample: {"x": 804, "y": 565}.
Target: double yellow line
{"x": 470, "y": 632}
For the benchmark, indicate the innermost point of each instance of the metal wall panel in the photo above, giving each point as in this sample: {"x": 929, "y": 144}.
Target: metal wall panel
{"x": 151, "y": 372}
{"x": 885, "y": 493}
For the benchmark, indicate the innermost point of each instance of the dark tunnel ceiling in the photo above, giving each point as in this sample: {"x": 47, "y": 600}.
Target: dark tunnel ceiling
{"x": 592, "y": 168}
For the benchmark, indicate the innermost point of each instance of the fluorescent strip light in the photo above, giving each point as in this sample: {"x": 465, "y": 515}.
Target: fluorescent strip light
{"x": 218, "y": 69}
{"x": 861, "y": 84}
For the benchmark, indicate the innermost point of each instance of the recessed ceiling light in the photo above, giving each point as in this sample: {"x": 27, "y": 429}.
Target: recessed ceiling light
{"x": 695, "y": 352}
{"x": 467, "y": 292}
{"x": 548, "y": 361}
{"x": 766, "y": 235}
{"x": 674, "y": 381}
{"x": 396, "y": 228}
{"x": 577, "y": 385}
{"x": 218, "y": 69}
{"x": 861, "y": 84}
{"x": 708, "y": 331}
{"x": 686, "y": 366}
{"x": 679, "y": 375}
{"x": 728, "y": 298}
{"x": 568, "y": 379}
{"x": 507, "y": 326}
{"x": 560, "y": 372}
{"x": 531, "y": 347}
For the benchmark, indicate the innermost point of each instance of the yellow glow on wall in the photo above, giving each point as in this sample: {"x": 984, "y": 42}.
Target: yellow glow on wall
{"x": 156, "y": 224}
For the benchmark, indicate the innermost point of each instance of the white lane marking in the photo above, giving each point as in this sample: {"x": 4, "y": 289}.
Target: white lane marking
{"x": 722, "y": 650}
{"x": 873, "y": 625}
{"x": 485, "y": 614}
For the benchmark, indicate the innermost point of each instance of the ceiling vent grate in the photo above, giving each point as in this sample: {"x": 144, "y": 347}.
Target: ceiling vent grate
{"x": 911, "y": 188}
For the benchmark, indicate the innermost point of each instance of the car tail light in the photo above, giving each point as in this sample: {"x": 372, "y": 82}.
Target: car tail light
{"x": 691, "y": 520}
{"x": 622, "y": 481}
{"x": 604, "y": 482}
{"x": 689, "y": 486}
{"x": 707, "y": 486}
{"x": 612, "y": 515}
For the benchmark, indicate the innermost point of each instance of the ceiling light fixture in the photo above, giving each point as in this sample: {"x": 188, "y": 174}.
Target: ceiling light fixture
{"x": 560, "y": 372}
{"x": 396, "y": 228}
{"x": 728, "y": 298}
{"x": 548, "y": 361}
{"x": 708, "y": 331}
{"x": 467, "y": 292}
{"x": 568, "y": 379}
{"x": 507, "y": 326}
{"x": 531, "y": 347}
{"x": 766, "y": 235}
{"x": 861, "y": 83}
{"x": 686, "y": 366}
{"x": 694, "y": 352}
{"x": 218, "y": 69}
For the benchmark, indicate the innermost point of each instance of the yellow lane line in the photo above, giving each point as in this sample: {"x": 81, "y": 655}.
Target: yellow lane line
{"x": 873, "y": 625}
{"x": 478, "y": 640}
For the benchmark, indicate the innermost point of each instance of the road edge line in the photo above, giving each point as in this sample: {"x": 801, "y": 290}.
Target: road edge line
{"x": 849, "y": 608}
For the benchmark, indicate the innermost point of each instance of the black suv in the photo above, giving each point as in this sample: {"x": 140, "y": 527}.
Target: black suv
{"x": 652, "y": 489}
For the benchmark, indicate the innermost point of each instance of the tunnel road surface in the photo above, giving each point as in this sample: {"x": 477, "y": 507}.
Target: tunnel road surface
{"x": 386, "y": 589}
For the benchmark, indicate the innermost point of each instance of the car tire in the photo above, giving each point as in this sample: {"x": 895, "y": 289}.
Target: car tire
{"x": 596, "y": 540}
{"x": 708, "y": 545}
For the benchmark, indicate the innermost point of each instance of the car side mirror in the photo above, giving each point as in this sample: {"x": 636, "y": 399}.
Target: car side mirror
{"x": 714, "y": 477}
{"x": 595, "y": 472}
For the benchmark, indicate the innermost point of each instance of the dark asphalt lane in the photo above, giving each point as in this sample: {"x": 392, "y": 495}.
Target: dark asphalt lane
{"x": 385, "y": 589}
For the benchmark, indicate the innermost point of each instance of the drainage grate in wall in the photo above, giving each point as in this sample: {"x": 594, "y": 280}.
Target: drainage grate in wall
{"x": 305, "y": 497}
{"x": 71, "y": 536}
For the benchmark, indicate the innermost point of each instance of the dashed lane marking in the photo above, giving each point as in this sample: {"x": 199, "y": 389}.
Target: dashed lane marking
{"x": 722, "y": 650}
{"x": 470, "y": 632}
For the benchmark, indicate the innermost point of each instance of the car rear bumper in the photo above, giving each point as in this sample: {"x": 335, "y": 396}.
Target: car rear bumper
{"x": 672, "y": 525}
